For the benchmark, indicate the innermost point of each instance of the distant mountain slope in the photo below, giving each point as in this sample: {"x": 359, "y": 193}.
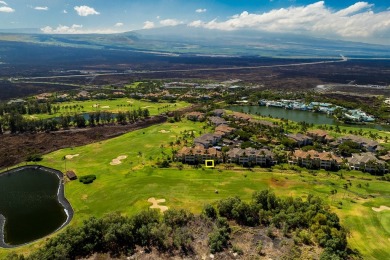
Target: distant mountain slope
{"x": 186, "y": 40}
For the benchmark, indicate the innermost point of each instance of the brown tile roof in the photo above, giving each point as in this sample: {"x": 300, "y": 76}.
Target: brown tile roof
{"x": 249, "y": 151}
{"x": 299, "y": 137}
{"x": 323, "y": 156}
{"x": 195, "y": 114}
{"x": 239, "y": 115}
{"x": 224, "y": 128}
{"x": 198, "y": 150}
{"x": 318, "y": 132}
{"x": 385, "y": 157}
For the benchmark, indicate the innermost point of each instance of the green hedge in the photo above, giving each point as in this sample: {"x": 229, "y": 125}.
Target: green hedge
{"x": 87, "y": 179}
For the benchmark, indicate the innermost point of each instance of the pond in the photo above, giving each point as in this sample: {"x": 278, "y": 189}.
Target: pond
{"x": 299, "y": 116}
{"x": 32, "y": 205}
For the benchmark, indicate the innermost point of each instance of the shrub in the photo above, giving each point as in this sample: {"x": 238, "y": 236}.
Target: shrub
{"x": 177, "y": 218}
{"x": 237, "y": 250}
{"x": 209, "y": 211}
{"x": 87, "y": 179}
{"x": 34, "y": 158}
{"x": 163, "y": 164}
{"x": 259, "y": 247}
{"x": 386, "y": 177}
{"x": 218, "y": 240}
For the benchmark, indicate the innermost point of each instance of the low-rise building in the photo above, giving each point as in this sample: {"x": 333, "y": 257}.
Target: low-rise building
{"x": 226, "y": 130}
{"x": 315, "y": 159}
{"x": 367, "y": 143}
{"x": 218, "y": 112}
{"x": 251, "y": 156}
{"x": 241, "y": 116}
{"x": 207, "y": 140}
{"x": 320, "y": 135}
{"x": 82, "y": 95}
{"x": 195, "y": 116}
{"x": 300, "y": 139}
{"x": 198, "y": 154}
{"x": 366, "y": 162}
{"x": 43, "y": 97}
{"x": 215, "y": 120}
{"x": 118, "y": 94}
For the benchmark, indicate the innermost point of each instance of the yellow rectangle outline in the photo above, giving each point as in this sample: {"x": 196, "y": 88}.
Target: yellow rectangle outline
{"x": 207, "y": 163}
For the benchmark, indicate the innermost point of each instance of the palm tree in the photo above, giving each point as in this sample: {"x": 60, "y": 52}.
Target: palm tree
{"x": 174, "y": 153}
{"x": 330, "y": 157}
{"x": 308, "y": 161}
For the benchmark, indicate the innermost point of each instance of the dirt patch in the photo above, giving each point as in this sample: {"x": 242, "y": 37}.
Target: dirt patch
{"x": 164, "y": 131}
{"x": 118, "y": 160}
{"x": 71, "y": 156}
{"x": 381, "y": 208}
{"x": 156, "y": 206}
{"x": 275, "y": 182}
{"x": 84, "y": 197}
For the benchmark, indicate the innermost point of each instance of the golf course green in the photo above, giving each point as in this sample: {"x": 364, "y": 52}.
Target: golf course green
{"x": 127, "y": 176}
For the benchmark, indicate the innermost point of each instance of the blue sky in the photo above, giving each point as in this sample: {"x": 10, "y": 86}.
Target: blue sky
{"x": 366, "y": 21}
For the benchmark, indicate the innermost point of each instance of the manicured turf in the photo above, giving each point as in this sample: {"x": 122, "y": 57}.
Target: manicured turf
{"x": 127, "y": 186}
{"x": 114, "y": 105}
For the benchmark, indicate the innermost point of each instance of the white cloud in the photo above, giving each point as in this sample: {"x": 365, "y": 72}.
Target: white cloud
{"x": 356, "y": 22}
{"x": 118, "y": 24}
{"x": 62, "y": 29}
{"x": 359, "y": 6}
{"x": 6, "y": 9}
{"x": 3, "y": 3}
{"x": 65, "y": 12}
{"x": 170, "y": 22}
{"x": 197, "y": 23}
{"x": 85, "y": 10}
{"x": 76, "y": 29}
{"x": 41, "y": 8}
{"x": 148, "y": 25}
{"x": 200, "y": 10}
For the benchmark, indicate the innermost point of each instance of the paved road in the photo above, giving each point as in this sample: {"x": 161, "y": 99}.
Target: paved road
{"x": 343, "y": 59}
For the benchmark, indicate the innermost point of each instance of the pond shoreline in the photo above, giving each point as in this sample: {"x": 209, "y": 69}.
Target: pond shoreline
{"x": 307, "y": 116}
{"x": 60, "y": 196}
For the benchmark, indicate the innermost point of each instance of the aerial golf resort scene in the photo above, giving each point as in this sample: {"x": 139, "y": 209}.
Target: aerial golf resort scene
{"x": 198, "y": 130}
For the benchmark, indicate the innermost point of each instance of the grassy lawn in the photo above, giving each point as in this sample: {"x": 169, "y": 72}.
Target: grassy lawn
{"x": 133, "y": 85}
{"x": 127, "y": 186}
{"x": 114, "y": 105}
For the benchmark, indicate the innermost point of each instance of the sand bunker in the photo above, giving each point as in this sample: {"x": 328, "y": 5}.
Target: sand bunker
{"x": 70, "y": 156}
{"x": 105, "y": 106}
{"x": 381, "y": 208}
{"x": 129, "y": 101}
{"x": 155, "y": 204}
{"x": 146, "y": 107}
{"x": 118, "y": 160}
{"x": 164, "y": 131}
{"x": 96, "y": 105}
